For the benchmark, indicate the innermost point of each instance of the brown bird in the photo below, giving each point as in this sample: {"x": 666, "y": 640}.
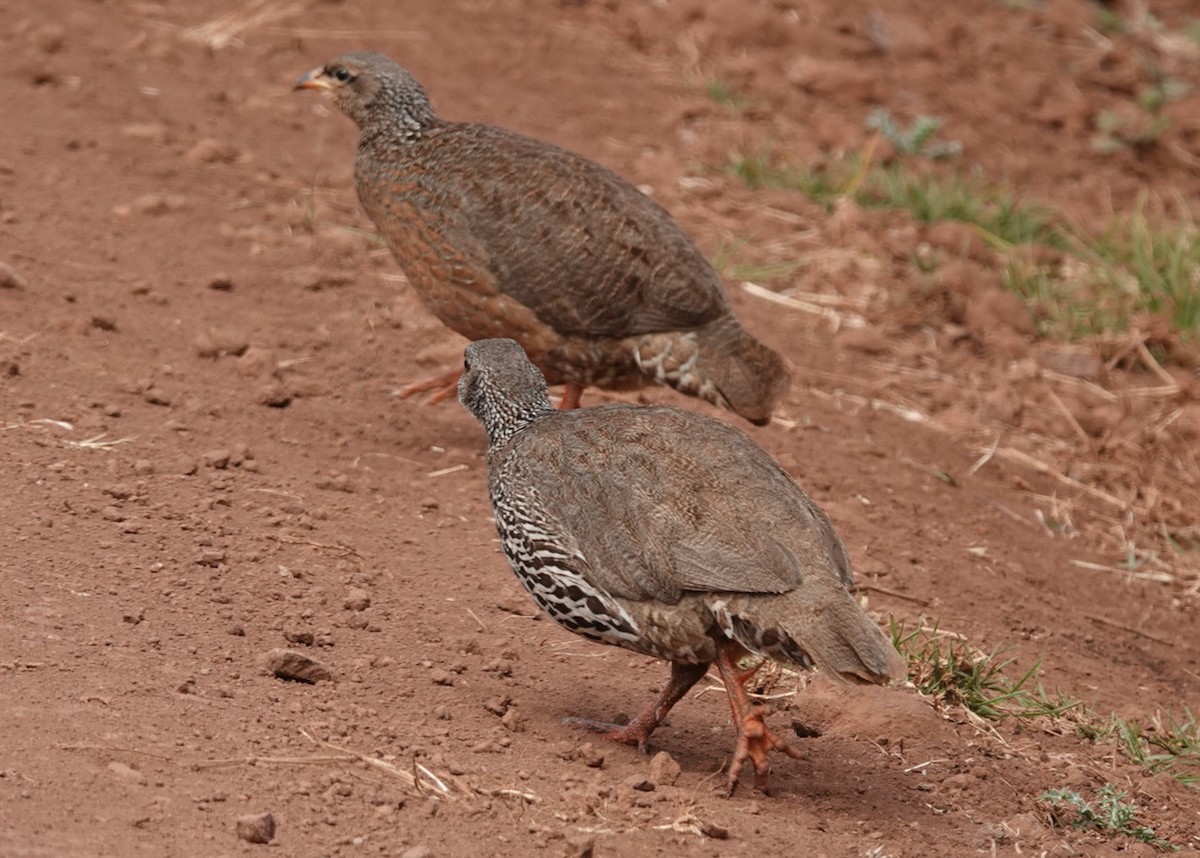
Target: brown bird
{"x": 503, "y": 235}
{"x": 671, "y": 534}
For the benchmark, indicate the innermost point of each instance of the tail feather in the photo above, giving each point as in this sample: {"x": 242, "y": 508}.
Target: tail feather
{"x": 748, "y": 375}
{"x": 832, "y": 634}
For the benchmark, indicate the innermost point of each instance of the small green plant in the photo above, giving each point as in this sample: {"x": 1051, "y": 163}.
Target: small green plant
{"x": 1140, "y": 125}
{"x": 915, "y": 140}
{"x": 1168, "y": 744}
{"x": 1111, "y": 815}
{"x": 731, "y": 262}
{"x": 949, "y": 670}
{"x": 723, "y": 93}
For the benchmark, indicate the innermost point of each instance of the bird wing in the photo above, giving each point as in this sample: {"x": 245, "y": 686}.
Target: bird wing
{"x": 654, "y": 519}
{"x": 582, "y": 248}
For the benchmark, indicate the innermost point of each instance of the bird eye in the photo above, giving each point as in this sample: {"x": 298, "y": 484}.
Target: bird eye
{"x": 340, "y": 74}
{"x": 466, "y": 365}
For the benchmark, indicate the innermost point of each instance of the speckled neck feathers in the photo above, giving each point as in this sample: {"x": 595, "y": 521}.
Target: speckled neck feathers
{"x": 502, "y": 389}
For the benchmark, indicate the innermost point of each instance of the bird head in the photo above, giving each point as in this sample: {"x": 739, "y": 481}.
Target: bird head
{"x": 372, "y": 89}
{"x": 502, "y": 388}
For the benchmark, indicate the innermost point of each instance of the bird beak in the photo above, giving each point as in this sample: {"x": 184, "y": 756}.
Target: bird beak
{"x": 314, "y": 79}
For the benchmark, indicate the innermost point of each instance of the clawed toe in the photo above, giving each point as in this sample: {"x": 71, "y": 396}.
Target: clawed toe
{"x": 755, "y": 740}
{"x": 625, "y": 734}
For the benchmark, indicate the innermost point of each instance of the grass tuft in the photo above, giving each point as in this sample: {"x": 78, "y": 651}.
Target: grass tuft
{"x": 1139, "y": 274}
{"x": 1111, "y": 815}
{"x": 949, "y": 670}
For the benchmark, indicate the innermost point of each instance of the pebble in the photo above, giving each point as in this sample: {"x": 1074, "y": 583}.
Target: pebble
{"x": 126, "y": 772}
{"x": 664, "y": 770}
{"x": 256, "y": 827}
{"x": 10, "y": 278}
{"x": 417, "y": 852}
{"x": 151, "y": 132}
{"x": 357, "y": 600}
{"x": 218, "y": 459}
{"x": 221, "y": 283}
{"x": 296, "y": 666}
{"x": 274, "y": 395}
{"x": 218, "y": 343}
{"x": 209, "y": 151}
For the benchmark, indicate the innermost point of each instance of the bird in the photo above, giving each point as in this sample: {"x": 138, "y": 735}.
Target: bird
{"x": 672, "y": 534}
{"x": 503, "y": 235}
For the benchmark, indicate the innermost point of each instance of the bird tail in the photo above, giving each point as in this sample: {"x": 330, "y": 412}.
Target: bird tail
{"x": 828, "y": 630}
{"x": 750, "y": 377}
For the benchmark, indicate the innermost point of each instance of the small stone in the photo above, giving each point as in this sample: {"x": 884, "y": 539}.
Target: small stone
{"x": 441, "y": 677}
{"x": 126, "y": 772}
{"x": 357, "y": 600}
{"x": 157, "y": 396}
{"x": 296, "y": 666}
{"x": 579, "y": 845}
{"x": 497, "y": 705}
{"x": 256, "y": 828}
{"x": 513, "y": 721}
{"x": 274, "y": 395}
{"x": 10, "y": 278}
{"x": 151, "y": 132}
{"x": 213, "y": 557}
{"x": 219, "y": 343}
{"x": 218, "y": 459}
{"x": 209, "y": 151}
{"x": 221, "y": 283}
{"x": 417, "y": 852}
{"x": 663, "y": 769}
{"x": 141, "y": 467}
{"x": 640, "y": 783}
{"x": 304, "y": 637}
{"x": 104, "y": 322}
{"x": 589, "y": 755}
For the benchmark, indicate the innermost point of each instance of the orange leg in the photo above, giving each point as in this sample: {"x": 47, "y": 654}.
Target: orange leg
{"x": 637, "y": 732}
{"x": 572, "y": 393}
{"x": 755, "y": 738}
{"x": 442, "y": 386}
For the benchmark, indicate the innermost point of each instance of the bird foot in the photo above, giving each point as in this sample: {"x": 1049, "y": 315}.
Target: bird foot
{"x": 755, "y": 739}
{"x": 625, "y": 734}
{"x": 441, "y": 387}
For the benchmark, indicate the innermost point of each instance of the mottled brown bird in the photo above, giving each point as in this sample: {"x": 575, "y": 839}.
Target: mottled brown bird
{"x": 671, "y": 534}
{"x": 503, "y": 235}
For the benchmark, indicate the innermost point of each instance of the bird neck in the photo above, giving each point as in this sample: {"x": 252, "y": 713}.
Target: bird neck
{"x": 505, "y": 419}
{"x": 398, "y": 130}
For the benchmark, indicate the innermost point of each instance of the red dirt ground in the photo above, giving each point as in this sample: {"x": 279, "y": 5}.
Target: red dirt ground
{"x": 204, "y": 459}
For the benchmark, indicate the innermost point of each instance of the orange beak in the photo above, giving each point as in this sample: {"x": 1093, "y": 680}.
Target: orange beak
{"x": 314, "y": 79}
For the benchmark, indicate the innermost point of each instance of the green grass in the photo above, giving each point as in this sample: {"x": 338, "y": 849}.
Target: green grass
{"x": 1110, "y": 815}
{"x": 723, "y": 93}
{"x": 731, "y": 262}
{"x": 954, "y": 673}
{"x": 950, "y": 671}
{"x": 1140, "y": 272}
{"x": 1168, "y": 744}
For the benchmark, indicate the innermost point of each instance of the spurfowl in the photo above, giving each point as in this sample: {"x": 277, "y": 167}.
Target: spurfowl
{"x": 503, "y": 235}
{"x": 671, "y": 534}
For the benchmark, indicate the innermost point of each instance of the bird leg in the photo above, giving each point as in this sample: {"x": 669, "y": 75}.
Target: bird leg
{"x": 572, "y": 393}
{"x": 755, "y": 738}
{"x": 637, "y": 732}
{"x": 442, "y": 386}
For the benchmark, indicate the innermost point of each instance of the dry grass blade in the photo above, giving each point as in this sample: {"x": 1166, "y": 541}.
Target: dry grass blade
{"x": 230, "y": 27}
{"x": 836, "y": 319}
{"x": 97, "y": 442}
{"x": 424, "y": 782}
